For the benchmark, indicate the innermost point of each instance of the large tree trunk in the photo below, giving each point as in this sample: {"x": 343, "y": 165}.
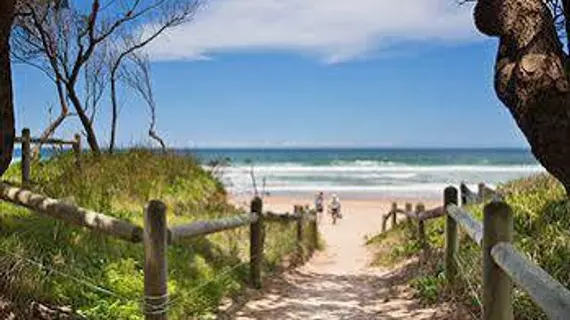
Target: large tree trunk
{"x": 530, "y": 77}
{"x": 6, "y": 103}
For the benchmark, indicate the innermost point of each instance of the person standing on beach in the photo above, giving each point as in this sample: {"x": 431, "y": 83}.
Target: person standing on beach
{"x": 335, "y": 208}
{"x": 319, "y": 204}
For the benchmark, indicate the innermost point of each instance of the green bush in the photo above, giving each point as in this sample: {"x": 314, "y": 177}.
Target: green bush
{"x": 100, "y": 277}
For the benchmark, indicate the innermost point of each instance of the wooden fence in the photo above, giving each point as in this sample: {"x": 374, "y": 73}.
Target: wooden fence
{"x": 502, "y": 264}
{"x": 156, "y": 235}
{"x": 26, "y": 140}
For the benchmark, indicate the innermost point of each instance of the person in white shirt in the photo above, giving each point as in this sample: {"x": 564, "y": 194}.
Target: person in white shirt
{"x": 335, "y": 208}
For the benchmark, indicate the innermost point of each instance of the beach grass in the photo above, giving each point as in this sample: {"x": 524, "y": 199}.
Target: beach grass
{"x": 97, "y": 277}
{"x": 542, "y": 223}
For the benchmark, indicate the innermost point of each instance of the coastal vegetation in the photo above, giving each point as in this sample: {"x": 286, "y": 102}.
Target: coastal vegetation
{"x": 69, "y": 269}
{"x": 541, "y": 220}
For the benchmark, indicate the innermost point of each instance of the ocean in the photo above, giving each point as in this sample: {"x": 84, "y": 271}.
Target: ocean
{"x": 362, "y": 173}
{"x": 385, "y": 173}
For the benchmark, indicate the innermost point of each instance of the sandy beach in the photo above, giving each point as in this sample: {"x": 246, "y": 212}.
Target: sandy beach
{"x": 339, "y": 282}
{"x": 364, "y": 205}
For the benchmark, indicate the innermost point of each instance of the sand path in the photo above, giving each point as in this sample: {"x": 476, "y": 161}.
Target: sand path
{"x": 338, "y": 283}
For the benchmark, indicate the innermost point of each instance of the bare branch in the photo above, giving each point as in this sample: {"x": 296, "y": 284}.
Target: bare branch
{"x": 69, "y": 44}
{"x": 139, "y": 78}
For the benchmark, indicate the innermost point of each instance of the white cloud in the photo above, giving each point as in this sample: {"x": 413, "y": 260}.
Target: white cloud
{"x": 332, "y": 30}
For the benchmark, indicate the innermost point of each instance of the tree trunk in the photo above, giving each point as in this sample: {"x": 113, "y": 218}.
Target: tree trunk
{"x": 530, "y": 77}
{"x": 114, "y": 111}
{"x": 87, "y": 125}
{"x": 156, "y": 137}
{"x": 6, "y": 103}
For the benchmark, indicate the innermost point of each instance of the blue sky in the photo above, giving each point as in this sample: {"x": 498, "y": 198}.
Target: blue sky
{"x": 238, "y": 76}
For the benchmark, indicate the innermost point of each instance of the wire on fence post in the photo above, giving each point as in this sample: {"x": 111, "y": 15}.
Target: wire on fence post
{"x": 256, "y": 243}
{"x": 497, "y": 285}
{"x": 451, "y": 240}
{"x": 26, "y": 156}
{"x": 155, "y": 261}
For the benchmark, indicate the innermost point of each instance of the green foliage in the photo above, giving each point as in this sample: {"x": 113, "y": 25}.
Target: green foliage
{"x": 394, "y": 246}
{"x": 542, "y": 223}
{"x": 102, "y": 278}
{"x": 430, "y": 287}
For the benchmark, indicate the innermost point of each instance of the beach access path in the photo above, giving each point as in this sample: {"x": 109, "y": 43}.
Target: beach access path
{"x": 339, "y": 282}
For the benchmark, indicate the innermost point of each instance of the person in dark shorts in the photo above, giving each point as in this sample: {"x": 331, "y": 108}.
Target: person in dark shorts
{"x": 320, "y": 203}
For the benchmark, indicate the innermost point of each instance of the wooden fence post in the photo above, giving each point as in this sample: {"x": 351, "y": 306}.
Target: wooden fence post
{"x": 26, "y": 156}
{"x": 421, "y": 227}
{"x": 497, "y": 285}
{"x": 393, "y": 213}
{"x": 408, "y": 208}
{"x": 451, "y": 240}
{"x": 77, "y": 149}
{"x": 314, "y": 228}
{"x": 256, "y": 243}
{"x": 481, "y": 191}
{"x": 300, "y": 233}
{"x": 463, "y": 194}
{"x": 155, "y": 264}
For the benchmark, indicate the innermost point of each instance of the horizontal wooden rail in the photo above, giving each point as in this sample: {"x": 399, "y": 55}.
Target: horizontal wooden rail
{"x": 46, "y": 141}
{"x": 473, "y": 227}
{"x": 545, "y": 291}
{"x": 200, "y": 228}
{"x": 431, "y": 214}
{"x": 483, "y": 193}
{"x": 71, "y": 213}
{"x": 502, "y": 263}
{"x": 287, "y": 216}
{"x": 420, "y": 214}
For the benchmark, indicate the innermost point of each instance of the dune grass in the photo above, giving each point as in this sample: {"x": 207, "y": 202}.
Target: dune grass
{"x": 542, "y": 231}
{"x": 98, "y": 277}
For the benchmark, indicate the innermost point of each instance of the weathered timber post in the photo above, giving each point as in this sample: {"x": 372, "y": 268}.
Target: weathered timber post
{"x": 77, "y": 149}
{"x": 155, "y": 265}
{"x": 481, "y": 192}
{"x": 451, "y": 240}
{"x": 463, "y": 193}
{"x": 408, "y": 208}
{"x": 26, "y": 156}
{"x": 256, "y": 243}
{"x": 421, "y": 227}
{"x": 393, "y": 212}
{"x": 314, "y": 228}
{"x": 497, "y": 285}
{"x": 300, "y": 233}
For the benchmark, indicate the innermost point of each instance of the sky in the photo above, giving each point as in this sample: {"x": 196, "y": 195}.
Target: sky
{"x": 302, "y": 73}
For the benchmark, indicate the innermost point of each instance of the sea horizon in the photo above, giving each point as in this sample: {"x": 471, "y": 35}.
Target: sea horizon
{"x": 366, "y": 172}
